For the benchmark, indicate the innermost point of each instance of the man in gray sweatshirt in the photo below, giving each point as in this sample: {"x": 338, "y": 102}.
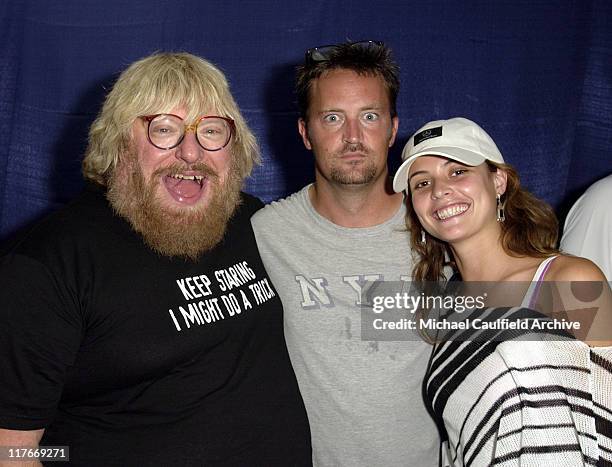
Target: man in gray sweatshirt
{"x": 324, "y": 245}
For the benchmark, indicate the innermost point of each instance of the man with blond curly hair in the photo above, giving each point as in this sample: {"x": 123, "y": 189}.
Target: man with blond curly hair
{"x": 138, "y": 325}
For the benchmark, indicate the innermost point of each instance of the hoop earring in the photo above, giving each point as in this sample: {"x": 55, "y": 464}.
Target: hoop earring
{"x": 501, "y": 215}
{"x": 423, "y": 237}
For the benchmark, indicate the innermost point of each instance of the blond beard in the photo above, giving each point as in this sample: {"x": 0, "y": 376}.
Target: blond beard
{"x": 185, "y": 232}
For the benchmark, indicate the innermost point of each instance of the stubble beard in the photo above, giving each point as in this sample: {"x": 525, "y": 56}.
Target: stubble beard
{"x": 186, "y": 232}
{"x": 358, "y": 172}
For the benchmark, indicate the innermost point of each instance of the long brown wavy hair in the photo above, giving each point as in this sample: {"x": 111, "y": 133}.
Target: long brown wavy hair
{"x": 530, "y": 229}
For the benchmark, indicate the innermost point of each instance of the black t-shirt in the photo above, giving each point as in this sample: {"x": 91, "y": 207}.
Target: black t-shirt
{"x": 131, "y": 358}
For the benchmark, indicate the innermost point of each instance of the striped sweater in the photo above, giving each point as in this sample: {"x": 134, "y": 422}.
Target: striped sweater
{"x": 510, "y": 402}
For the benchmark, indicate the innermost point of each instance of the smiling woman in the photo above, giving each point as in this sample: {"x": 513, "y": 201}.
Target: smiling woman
{"x": 469, "y": 212}
{"x": 501, "y": 399}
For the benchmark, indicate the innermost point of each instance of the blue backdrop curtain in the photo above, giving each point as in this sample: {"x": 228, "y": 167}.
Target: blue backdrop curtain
{"x": 536, "y": 74}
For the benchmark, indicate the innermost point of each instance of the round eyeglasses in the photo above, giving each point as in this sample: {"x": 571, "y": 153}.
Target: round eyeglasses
{"x": 166, "y": 131}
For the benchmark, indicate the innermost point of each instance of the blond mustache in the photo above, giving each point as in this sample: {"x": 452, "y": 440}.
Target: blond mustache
{"x": 200, "y": 167}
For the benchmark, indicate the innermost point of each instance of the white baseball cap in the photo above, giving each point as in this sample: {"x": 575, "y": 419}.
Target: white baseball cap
{"x": 457, "y": 138}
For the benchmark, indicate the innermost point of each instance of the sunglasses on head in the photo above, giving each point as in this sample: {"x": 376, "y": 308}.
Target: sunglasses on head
{"x": 324, "y": 52}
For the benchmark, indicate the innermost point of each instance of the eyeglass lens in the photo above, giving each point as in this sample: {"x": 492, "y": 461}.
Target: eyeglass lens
{"x": 167, "y": 131}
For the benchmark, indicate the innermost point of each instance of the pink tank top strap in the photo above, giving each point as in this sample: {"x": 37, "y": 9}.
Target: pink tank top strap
{"x": 533, "y": 292}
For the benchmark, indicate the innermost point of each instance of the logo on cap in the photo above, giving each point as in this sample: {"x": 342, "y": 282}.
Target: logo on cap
{"x": 427, "y": 134}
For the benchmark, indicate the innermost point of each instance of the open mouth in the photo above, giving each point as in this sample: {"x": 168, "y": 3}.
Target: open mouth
{"x": 451, "y": 211}
{"x": 185, "y": 188}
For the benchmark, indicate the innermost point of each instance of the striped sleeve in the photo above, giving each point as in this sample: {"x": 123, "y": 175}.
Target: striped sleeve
{"x": 524, "y": 402}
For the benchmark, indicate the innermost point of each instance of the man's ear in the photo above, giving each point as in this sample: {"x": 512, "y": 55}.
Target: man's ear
{"x": 500, "y": 178}
{"x": 303, "y": 129}
{"x": 394, "y": 127}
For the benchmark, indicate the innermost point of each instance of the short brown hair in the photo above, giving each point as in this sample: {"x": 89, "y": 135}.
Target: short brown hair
{"x": 368, "y": 61}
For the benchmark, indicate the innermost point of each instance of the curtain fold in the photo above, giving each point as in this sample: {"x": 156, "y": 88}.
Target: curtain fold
{"x": 536, "y": 75}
